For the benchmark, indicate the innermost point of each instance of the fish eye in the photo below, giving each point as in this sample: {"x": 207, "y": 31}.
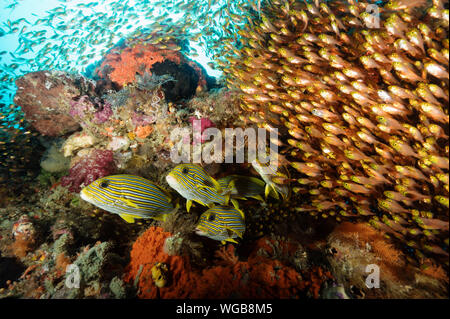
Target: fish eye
{"x": 211, "y": 217}
{"x": 185, "y": 170}
{"x": 104, "y": 184}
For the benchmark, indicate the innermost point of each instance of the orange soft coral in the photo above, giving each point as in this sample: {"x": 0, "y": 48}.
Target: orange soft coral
{"x": 261, "y": 276}
{"x": 22, "y": 245}
{"x": 143, "y": 131}
{"x": 364, "y": 234}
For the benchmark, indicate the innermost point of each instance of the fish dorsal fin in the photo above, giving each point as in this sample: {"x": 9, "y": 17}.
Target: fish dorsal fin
{"x": 127, "y": 218}
{"x": 257, "y": 181}
{"x": 216, "y": 185}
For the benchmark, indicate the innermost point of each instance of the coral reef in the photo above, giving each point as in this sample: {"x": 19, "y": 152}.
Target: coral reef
{"x": 121, "y": 65}
{"x": 262, "y": 275}
{"x": 53, "y": 160}
{"x": 141, "y": 62}
{"x": 352, "y": 247}
{"x": 24, "y": 237}
{"x": 199, "y": 125}
{"x": 96, "y": 164}
{"x": 362, "y": 129}
{"x": 45, "y": 97}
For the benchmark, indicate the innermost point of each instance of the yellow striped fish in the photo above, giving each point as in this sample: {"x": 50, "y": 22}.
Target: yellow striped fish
{"x": 129, "y": 196}
{"x": 269, "y": 174}
{"x": 241, "y": 187}
{"x": 194, "y": 184}
{"x": 222, "y": 223}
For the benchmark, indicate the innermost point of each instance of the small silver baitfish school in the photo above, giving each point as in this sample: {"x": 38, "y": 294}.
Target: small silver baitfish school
{"x": 222, "y": 223}
{"x": 129, "y": 196}
{"x": 193, "y": 183}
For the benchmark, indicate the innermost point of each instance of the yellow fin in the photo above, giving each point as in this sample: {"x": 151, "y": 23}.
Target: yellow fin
{"x": 129, "y": 202}
{"x": 258, "y": 197}
{"x": 227, "y": 200}
{"x": 231, "y": 240}
{"x": 235, "y": 203}
{"x": 188, "y": 205}
{"x": 160, "y": 218}
{"x": 200, "y": 202}
{"x": 241, "y": 212}
{"x": 127, "y": 218}
{"x": 273, "y": 192}
{"x": 216, "y": 185}
{"x": 266, "y": 191}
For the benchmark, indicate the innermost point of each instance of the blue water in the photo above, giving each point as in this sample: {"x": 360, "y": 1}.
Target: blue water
{"x": 72, "y": 35}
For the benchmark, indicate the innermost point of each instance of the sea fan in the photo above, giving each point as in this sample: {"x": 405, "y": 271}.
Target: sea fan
{"x": 150, "y": 82}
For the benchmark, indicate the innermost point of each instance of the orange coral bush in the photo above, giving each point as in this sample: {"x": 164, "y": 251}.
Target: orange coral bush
{"x": 435, "y": 271}
{"x": 259, "y": 277}
{"x": 143, "y": 131}
{"x": 22, "y": 245}
{"x": 373, "y": 247}
{"x": 364, "y": 233}
{"x": 61, "y": 263}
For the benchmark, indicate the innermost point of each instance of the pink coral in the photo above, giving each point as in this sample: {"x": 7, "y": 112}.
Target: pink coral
{"x": 97, "y": 164}
{"x": 199, "y": 126}
{"x": 79, "y": 108}
{"x": 142, "y": 119}
{"x": 104, "y": 114}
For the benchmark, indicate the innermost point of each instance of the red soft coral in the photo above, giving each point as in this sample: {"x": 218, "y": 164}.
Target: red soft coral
{"x": 97, "y": 164}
